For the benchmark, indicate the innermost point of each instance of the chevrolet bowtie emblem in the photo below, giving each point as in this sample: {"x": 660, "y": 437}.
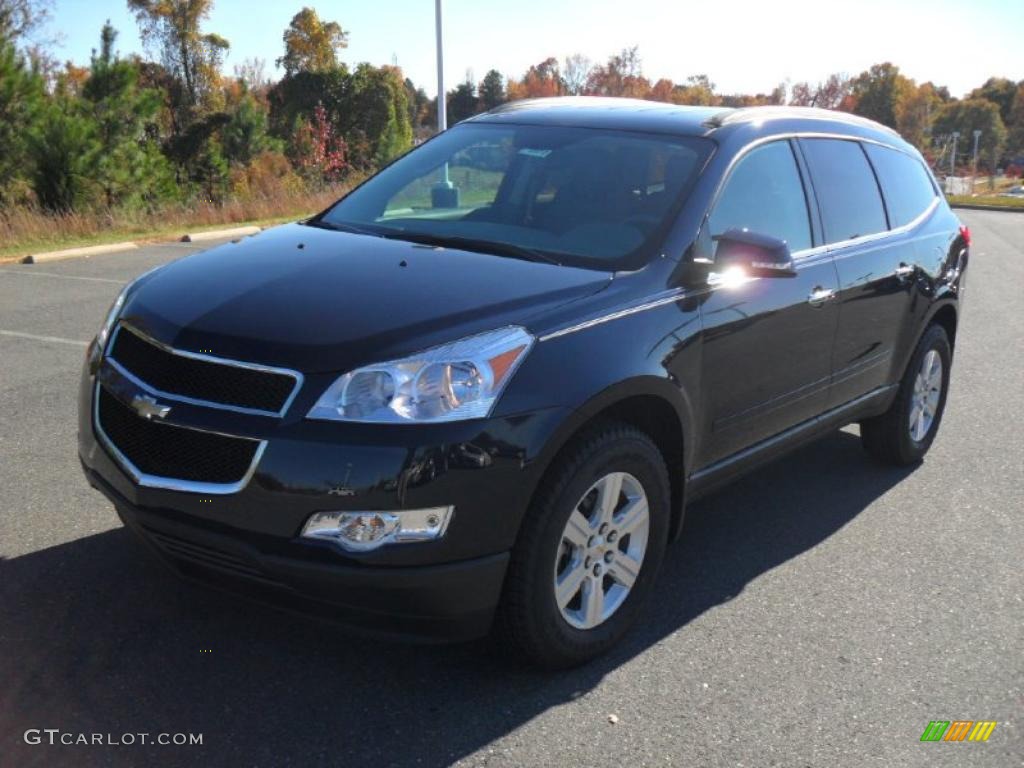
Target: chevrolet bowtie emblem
{"x": 147, "y": 407}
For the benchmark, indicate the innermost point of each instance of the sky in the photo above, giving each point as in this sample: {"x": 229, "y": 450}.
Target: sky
{"x": 745, "y": 46}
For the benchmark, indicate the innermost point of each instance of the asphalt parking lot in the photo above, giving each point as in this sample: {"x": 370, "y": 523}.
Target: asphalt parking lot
{"x": 818, "y": 613}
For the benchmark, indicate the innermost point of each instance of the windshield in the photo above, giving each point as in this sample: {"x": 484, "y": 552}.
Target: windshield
{"x": 578, "y": 196}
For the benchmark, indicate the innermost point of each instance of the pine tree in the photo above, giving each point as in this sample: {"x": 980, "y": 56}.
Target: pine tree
{"x": 21, "y": 102}
{"x": 127, "y": 164}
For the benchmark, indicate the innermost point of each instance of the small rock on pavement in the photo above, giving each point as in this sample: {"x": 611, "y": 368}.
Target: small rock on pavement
{"x": 613, "y": 719}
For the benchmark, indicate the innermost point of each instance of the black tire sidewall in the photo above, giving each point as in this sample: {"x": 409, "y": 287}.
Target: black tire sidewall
{"x": 934, "y": 339}
{"x": 632, "y": 453}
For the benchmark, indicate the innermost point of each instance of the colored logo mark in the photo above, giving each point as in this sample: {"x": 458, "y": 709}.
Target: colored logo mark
{"x": 958, "y": 730}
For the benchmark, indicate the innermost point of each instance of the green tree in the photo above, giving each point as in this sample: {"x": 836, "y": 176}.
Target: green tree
{"x": 246, "y": 134}
{"x": 188, "y": 53}
{"x": 492, "y": 90}
{"x": 966, "y": 117}
{"x": 374, "y": 116}
{"x": 879, "y": 91}
{"x": 64, "y": 150}
{"x": 462, "y": 102}
{"x": 1000, "y": 92}
{"x": 310, "y": 44}
{"x": 128, "y": 164}
{"x": 21, "y": 101}
{"x": 1015, "y": 137}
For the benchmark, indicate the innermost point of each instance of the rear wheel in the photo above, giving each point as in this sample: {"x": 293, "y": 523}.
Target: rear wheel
{"x": 903, "y": 434}
{"x": 589, "y": 549}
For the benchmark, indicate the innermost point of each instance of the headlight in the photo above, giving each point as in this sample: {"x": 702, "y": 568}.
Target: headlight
{"x": 111, "y": 318}
{"x": 456, "y": 381}
{"x": 115, "y": 309}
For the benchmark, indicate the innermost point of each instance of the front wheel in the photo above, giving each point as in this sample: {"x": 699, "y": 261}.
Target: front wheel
{"x": 589, "y": 549}
{"x": 903, "y": 434}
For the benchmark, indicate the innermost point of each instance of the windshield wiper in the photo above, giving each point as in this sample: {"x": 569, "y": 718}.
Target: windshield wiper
{"x": 335, "y": 227}
{"x": 473, "y": 244}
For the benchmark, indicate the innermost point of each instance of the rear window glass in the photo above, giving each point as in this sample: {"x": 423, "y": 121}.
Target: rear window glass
{"x": 907, "y": 187}
{"x": 851, "y": 205}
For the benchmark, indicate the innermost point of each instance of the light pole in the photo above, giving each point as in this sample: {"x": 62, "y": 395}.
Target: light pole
{"x": 952, "y": 157}
{"x": 974, "y": 160}
{"x": 442, "y": 117}
{"x": 443, "y": 194}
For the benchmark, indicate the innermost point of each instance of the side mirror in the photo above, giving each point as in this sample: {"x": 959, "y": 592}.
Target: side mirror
{"x": 758, "y": 255}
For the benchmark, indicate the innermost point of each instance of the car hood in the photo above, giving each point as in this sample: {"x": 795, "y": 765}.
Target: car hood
{"x": 317, "y": 300}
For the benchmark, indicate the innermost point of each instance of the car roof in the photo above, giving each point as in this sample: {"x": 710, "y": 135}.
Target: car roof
{"x": 676, "y": 119}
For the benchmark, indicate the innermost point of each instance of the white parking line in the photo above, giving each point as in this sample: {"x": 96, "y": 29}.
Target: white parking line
{"x": 31, "y": 272}
{"x": 36, "y": 337}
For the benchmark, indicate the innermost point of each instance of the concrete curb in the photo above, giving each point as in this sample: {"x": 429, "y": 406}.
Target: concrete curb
{"x": 1001, "y": 208}
{"x": 218, "y": 234}
{"x": 68, "y": 253}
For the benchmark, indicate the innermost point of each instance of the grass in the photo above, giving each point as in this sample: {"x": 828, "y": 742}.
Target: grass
{"x": 994, "y": 200}
{"x": 24, "y": 231}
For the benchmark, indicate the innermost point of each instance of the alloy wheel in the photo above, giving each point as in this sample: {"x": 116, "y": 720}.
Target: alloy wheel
{"x": 924, "y": 402}
{"x": 602, "y": 550}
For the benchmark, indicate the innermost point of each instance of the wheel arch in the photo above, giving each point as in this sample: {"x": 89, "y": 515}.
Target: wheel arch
{"x": 655, "y": 406}
{"x": 945, "y": 315}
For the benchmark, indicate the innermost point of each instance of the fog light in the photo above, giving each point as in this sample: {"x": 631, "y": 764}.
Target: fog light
{"x": 363, "y": 531}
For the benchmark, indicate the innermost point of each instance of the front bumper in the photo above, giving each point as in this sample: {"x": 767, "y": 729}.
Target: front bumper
{"x": 248, "y": 541}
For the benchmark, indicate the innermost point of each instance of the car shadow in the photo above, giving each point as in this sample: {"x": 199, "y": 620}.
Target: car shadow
{"x": 97, "y": 638}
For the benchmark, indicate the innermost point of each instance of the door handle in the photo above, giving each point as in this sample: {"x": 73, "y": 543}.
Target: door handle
{"x": 820, "y": 296}
{"x": 904, "y": 272}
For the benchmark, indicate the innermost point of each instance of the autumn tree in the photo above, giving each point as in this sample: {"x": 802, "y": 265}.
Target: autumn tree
{"x": 311, "y": 44}
{"x": 174, "y": 28}
{"x": 622, "y": 75}
{"x": 878, "y": 92}
{"x": 914, "y": 113}
{"x": 698, "y": 91}
{"x": 492, "y": 90}
{"x": 541, "y": 80}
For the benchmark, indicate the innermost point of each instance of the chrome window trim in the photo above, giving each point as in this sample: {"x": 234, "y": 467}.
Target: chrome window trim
{"x": 666, "y": 297}
{"x": 295, "y": 375}
{"x": 170, "y": 483}
{"x": 820, "y": 135}
{"x": 802, "y": 258}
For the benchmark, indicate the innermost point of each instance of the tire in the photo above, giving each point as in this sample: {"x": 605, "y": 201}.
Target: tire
{"x": 891, "y": 438}
{"x": 529, "y": 616}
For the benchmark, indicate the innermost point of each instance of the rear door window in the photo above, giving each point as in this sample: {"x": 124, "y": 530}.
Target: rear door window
{"x": 906, "y": 185}
{"x": 851, "y": 205}
{"x": 764, "y": 194}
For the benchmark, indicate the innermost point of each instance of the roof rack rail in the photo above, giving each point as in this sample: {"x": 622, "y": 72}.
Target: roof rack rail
{"x": 752, "y": 114}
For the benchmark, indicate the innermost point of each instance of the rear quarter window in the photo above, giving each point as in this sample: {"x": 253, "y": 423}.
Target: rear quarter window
{"x": 851, "y": 205}
{"x": 906, "y": 185}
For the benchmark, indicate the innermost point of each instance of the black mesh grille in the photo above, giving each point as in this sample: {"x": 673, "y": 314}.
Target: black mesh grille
{"x": 164, "y": 450}
{"x": 201, "y": 379}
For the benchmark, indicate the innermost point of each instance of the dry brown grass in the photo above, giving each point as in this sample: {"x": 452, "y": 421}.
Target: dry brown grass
{"x": 24, "y": 230}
